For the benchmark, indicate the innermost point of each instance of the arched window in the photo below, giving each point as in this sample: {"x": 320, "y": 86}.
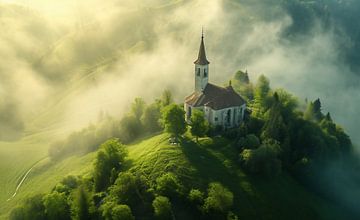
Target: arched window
{"x": 198, "y": 72}
{"x": 205, "y": 73}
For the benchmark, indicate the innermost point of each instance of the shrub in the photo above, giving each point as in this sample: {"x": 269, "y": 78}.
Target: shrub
{"x": 108, "y": 160}
{"x": 219, "y": 199}
{"x": 262, "y": 160}
{"x": 162, "y": 207}
{"x": 250, "y": 141}
{"x": 169, "y": 185}
{"x": 196, "y": 196}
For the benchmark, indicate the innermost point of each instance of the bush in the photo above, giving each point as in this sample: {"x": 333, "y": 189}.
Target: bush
{"x": 196, "y": 197}
{"x": 162, "y": 207}
{"x": 56, "y": 206}
{"x": 122, "y": 212}
{"x": 219, "y": 199}
{"x": 109, "y": 159}
{"x": 33, "y": 208}
{"x": 125, "y": 189}
{"x": 262, "y": 160}
{"x": 168, "y": 185}
{"x": 250, "y": 141}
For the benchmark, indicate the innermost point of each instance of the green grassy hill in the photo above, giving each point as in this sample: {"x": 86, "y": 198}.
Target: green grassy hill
{"x": 196, "y": 165}
{"x": 213, "y": 160}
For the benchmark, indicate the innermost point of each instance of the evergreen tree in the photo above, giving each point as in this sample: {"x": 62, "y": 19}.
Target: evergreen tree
{"x": 274, "y": 126}
{"x": 261, "y": 96}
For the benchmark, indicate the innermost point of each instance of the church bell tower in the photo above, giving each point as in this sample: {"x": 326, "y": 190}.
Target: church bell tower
{"x": 201, "y": 68}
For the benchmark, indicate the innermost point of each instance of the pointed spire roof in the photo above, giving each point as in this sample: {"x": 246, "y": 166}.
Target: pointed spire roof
{"x": 201, "y": 60}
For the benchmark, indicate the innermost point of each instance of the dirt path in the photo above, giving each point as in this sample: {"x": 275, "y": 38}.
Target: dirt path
{"x": 23, "y": 179}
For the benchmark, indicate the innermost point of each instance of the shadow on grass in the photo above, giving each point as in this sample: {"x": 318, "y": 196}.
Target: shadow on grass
{"x": 211, "y": 169}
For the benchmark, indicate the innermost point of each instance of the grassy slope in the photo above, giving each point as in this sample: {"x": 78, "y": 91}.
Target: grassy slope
{"x": 44, "y": 177}
{"x": 255, "y": 198}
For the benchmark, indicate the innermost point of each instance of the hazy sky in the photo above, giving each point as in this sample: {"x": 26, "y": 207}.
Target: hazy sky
{"x": 77, "y": 58}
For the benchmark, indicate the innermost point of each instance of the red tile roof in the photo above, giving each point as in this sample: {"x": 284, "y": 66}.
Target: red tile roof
{"x": 215, "y": 97}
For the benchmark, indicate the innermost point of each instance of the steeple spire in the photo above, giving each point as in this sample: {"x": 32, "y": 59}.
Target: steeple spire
{"x": 201, "y": 60}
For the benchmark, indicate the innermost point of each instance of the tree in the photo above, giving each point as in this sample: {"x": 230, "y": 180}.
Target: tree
{"x": 125, "y": 189}
{"x": 313, "y": 111}
{"x": 173, "y": 118}
{"x": 199, "y": 126}
{"x": 81, "y": 205}
{"x": 219, "y": 199}
{"x": 262, "y": 89}
{"x": 251, "y": 141}
{"x": 111, "y": 156}
{"x": 137, "y": 108}
{"x": 168, "y": 184}
{"x": 122, "y": 212}
{"x": 56, "y": 206}
{"x": 151, "y": 118}
{"x": 262, "y": 160}
{"x": 162, "y": 207}
{"x": 130, "y": 128}
{"x": 242, "y": 77}
{"x": 274, "y": 126}
{"x": 33, "y": 208}
{"x": 166, "y": 98}
{"x": 196, "y": 196}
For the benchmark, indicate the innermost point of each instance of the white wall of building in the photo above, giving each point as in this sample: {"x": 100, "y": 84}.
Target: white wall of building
{"x": 220, "y": 117}
{"x": 201, "y": 77}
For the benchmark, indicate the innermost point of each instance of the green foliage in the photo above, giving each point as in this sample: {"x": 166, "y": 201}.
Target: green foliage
{"x": 32, "y": 208}
{"x": 162, "y": 207}
{"x": 313, "y": 111}
{"x": 168, "y": 185}
{"x": 166, "y": 98}
{"x": 199, "y": 126}
{"x": 151, "y": 118}
{"x": 125, "y": 189}
{"x": 242, "y": 77}
{"x": 219, "y": 199}
{"x": 138, "y": 107}
{"x": 251, "y": 141}
{"x": 263, "y": 160}
{"x": 274, "y": 126}
{"x": 242, "y": 85}
{"x": 122, "y": 212}
{"x": 173, "y": 118}
{"x": 261, "y": 96}
{"x": 82, "y": 205}
{"x": 111, "y": 156}
{"x": 56, "y": 206}
{"x": 196, "y": 197}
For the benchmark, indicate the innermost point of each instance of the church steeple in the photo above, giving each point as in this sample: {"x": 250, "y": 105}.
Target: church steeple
{"x": 201, "y": 60}
{"x": 201, "y": 68}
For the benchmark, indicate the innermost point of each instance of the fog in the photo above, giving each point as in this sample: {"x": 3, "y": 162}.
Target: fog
{"x": 65, "y": 61}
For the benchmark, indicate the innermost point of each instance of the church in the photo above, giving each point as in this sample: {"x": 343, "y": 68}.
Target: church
{"x": 222, "y": 106}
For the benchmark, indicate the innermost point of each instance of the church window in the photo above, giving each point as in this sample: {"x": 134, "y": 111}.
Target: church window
{"x": 216, "y": 118}
{"x": 205, "y": 73}
{"x": 198, "y": 71}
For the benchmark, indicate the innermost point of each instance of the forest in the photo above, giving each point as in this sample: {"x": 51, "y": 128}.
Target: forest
{"x": 280, "y": 134}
